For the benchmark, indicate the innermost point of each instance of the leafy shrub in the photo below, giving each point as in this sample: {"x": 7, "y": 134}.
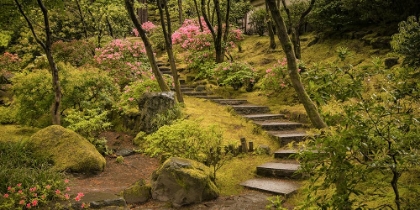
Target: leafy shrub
{"x": 9, "y": 62}
{"x": 407, "y": 41}
{"x": 257, "y": 19}
{"x": 171, "y": 140}
{"x": 276, "y": 78}
{"x": 82, "y": 89}
{"x": 7, "y": 115}
{"x": 235, "y": 74}
{"x": 26, "y": 181}
{"x": 75, "y": 52}
{"x": 375, "y": 142}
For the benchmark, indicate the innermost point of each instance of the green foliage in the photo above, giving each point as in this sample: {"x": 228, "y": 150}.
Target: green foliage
{"x": 168, "y": 117}
{"x": 235, "y": 74}
{"x": 88, "y": 123}
{"x": 276, "y": 78}
{"x": 258, "y": 22}
{"x": 275, "y": 203}
{"x": 26, "y": 181}
{"x": 7, "y": 115}
{"x": 407, "y": 41}
{"x": 83, "y": 89}
{"x": 377, "y": 135}
{"x": 120, "y": 159}
{"x": 333, "y": 81}
{"x": 171, "y": 140}
{"x": 75, "y": 52}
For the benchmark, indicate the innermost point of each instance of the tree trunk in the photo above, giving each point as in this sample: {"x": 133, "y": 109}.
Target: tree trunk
{"x": 180, "y": 16}
{"x": 147, "y": 45}
{"x": 168, "y": 42}
{"x": 292, "y": 67}
{"x": 46, "y": 46}
{"x": 82, "y": 18}
{"x": 270, "y": 29}
{"x": 217, "y": 37}
{"x": 198, "y": 15}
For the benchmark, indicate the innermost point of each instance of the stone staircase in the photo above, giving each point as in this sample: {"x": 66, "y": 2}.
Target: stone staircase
{"x": 278, "y": 176}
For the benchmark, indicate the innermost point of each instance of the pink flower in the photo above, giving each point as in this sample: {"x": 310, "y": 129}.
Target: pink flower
{"x": 67, "y": 196}
{"x": 6, "y": 195}
{"x": 66, "y": 181}
{"x": 48, "y": 187}
{"x": 32, "y": 189}
{"x": 67, "y": 188}
{"x": 130, "y": 99}
{"x": 57, "y": 192}
{"x": 20, "y": 192}
{"x": 19, "y": 185}
{"x": 28, "y": 206}
{"x": 22, "y": 202}
{"x": 34, "y": 202}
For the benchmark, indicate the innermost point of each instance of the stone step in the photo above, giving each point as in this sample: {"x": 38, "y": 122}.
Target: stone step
{"x": 101, "y": 200}
{"x": 182, "y": 81}
{"x": 187, "y": 89}
{"x": 164, "y": 68}
{"x": 278, "y": 125}
{"x": 284, "y": 153}
{"x": 263, "y": 117}
{"x": 275, "y": 186}
{"x": 247, "y": 109}
{"x": 285, "y": 137}
{"x": 279, "y": 170}
{"x": 209, "y": 97}
{"x": 230, "y": 101}
{"x": 195, "y": 93}
{"x": 166, "y": 72}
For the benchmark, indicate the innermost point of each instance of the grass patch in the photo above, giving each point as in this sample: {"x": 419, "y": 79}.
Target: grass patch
{"x": 16, "y": 133}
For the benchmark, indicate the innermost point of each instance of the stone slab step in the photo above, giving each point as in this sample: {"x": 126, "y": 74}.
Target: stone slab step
{"x": 284, "y": 153}
{"x": 285, "y": 137}
{"x": 279, "y": 170}
{"x": 195, "y": 93}
{"x": 263, "y": 117}
{"x": 209, "y": 97}
{"x": 278, "y": 125}
{"x": 275, "y": 186}
{"x": 247, "y": 109}
{"x": 164, "y": 68}
{"x": 187, "y": 89}
{"x": 166, "y": 72}
{"x": 182, "y": 81}
{"x": 230, "y": 101}
{"x": 101, "y": 200}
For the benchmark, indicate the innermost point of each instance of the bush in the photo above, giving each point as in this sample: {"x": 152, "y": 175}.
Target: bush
{"x": 83, "y": 89}
{"x": 407, "y": 41}
{"x": 75, "y": 52}
{"x": 276, "y": 78}
{"x": 235, "y": 74}
{"x": 26, "y": 181}
{"x": 171, "y": 140}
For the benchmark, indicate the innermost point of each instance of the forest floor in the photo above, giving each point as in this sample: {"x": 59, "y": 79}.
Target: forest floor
{"x": 118, "y": 176}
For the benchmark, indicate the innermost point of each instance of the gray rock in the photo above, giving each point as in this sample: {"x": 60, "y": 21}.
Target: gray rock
{"x": 101, "y": 200}
{"x": 152, "y": 104}
{"x": 124, "y": 152}
{"x": 139, "y": 192}
{"x": 183, "y": 182}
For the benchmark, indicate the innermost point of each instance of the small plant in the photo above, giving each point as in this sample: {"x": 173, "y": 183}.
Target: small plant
{"x": 120, "y": 159}
{"x": 276, "y": 78}
{"x": 235, "y": 74}
{"x": 407, "y": 40}
{"x": 275, "y": 203}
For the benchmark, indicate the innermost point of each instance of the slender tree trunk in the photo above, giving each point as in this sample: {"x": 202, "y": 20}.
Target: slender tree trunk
{"x": 82, "y": 18}
{"x": 167, "y": 33}
{"x": 180, "y": 15}
{"x": 147, "y": 45}
{"x": 286, "y": 44}
{"x": 108, "y": 23}
{"x": 270, "y": 29}
{"x": 198, "y": 15}
{"x": 46, "y": 46}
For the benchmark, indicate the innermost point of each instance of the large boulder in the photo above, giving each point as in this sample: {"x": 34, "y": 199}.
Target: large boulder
{"x": 183, "y": 182}
{"x": 68, "y": 150}
{"x": 152, "y": 104}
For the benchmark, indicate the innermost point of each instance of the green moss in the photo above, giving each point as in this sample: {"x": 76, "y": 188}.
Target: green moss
{"x": 16, "y": 133}
{"x": 67, "y": 149}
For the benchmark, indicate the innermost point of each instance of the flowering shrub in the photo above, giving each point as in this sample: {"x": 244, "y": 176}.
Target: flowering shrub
{"x": 125, "y": 61}
{"x": 21, "y": 197}
{"x": 75, "y": 52}
{"x": 276, "y": 78}
{"x": 235, "y": 74}
{"x": 199, "y": 43}
{"x": 147, "y": 26}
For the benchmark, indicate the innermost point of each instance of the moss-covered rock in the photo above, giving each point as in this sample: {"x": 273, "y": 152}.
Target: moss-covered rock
{"x": 183, "y": 182}
{"x": 139, "y": 192}
{"x": 68, "y": 150}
